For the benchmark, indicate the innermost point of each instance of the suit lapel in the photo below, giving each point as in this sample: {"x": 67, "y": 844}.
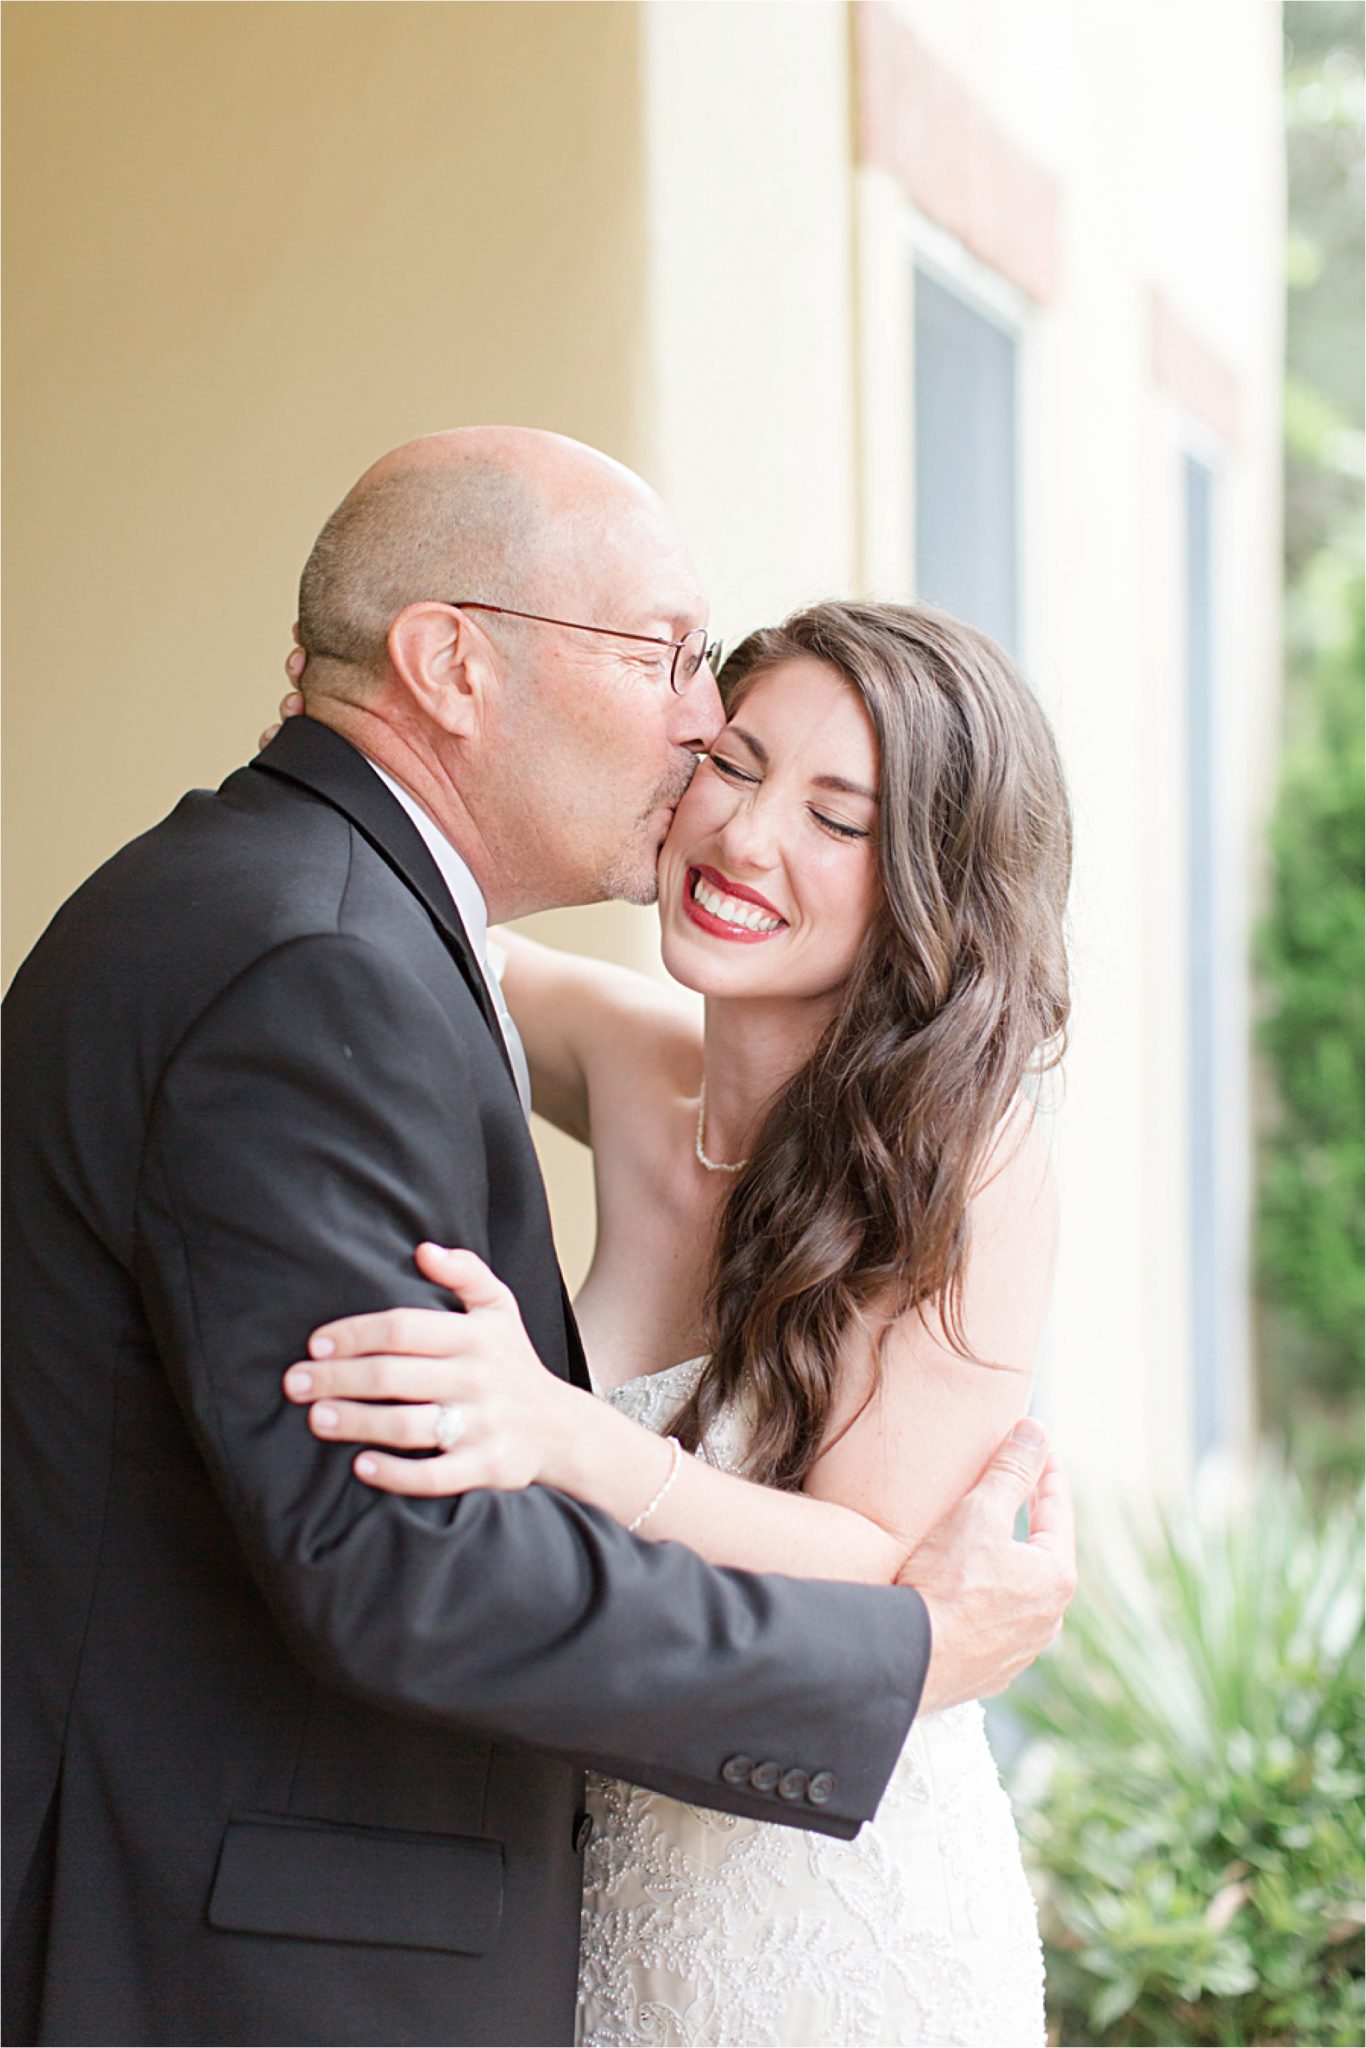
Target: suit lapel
{"x": 309, "y": 753}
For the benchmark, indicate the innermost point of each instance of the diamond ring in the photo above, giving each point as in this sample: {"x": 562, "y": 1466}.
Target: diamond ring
{"x": 449, "y": 1426}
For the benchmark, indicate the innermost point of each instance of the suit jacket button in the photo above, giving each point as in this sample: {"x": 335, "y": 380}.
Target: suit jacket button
{"x": 821, "y": 1790}
{"x": 765, "y": 1776}
{"x": 736, "y": 1769}
{"x": 793, "y": 1784}
{"x": 583, "y": 1831}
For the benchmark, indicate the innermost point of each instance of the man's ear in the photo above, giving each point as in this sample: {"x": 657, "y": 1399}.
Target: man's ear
{"x": 445, "y": 663}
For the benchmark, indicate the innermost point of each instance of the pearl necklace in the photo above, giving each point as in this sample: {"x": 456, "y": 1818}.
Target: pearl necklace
{"x": 712, "y": 1165}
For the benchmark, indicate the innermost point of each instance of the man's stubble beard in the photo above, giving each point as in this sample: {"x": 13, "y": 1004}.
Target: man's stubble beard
{"x": 635, "y": 879}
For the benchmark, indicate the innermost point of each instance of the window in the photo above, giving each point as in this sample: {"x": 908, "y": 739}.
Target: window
{"x": 1208, "y": 1335}
{"x": 966, "y": 461}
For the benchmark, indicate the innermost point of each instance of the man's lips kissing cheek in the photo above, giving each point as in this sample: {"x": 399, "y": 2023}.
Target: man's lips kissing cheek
{"x": 728, "y": 910}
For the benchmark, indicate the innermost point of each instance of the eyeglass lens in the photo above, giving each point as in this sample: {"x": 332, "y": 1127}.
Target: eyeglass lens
{"x": 691, "y": 654}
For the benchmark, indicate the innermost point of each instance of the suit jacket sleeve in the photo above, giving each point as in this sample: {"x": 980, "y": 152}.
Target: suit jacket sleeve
{"x": 312, "y": 1127}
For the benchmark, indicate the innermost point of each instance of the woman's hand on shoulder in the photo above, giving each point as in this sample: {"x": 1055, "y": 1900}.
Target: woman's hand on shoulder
{"x": 292, "y": 703}
{"x": 470, "y": 1386}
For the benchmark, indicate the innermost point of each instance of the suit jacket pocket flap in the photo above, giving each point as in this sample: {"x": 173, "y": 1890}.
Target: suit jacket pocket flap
{"x": 381, "y": 1885}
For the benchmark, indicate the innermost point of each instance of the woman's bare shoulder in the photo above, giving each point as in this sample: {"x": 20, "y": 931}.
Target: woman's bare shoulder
{"x": 1016, "y": 1187}
{"x": 620, "y": 1018}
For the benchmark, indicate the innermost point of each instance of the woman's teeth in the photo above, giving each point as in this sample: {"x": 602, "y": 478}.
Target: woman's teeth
{"x": 731, "y": 910}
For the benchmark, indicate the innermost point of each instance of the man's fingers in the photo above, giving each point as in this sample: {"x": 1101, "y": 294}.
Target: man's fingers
{"x": 467, "y": 1277}
{"x": 1053, "y": 1524}
{"x": 1018, "y": 1465}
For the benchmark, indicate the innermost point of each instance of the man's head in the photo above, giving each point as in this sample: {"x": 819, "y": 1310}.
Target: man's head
{"x": 553, "y": 757}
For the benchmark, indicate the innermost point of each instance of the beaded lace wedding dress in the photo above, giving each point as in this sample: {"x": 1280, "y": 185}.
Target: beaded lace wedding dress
{"x": 704, "y": 1928}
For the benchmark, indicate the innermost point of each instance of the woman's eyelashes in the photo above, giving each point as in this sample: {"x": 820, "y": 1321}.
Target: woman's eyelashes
{"x": 734, "y": 773}
{"x": 730, "y": 769}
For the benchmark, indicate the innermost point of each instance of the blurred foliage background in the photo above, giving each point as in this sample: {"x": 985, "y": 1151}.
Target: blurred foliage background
{"x": 1192, "y": 1800}
{"x": 1192, "y": 1807}
{"x": 1310, "y": 955}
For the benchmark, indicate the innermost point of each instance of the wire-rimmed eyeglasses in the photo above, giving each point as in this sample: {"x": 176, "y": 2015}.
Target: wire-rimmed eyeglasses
{"x": 690, "y": 654}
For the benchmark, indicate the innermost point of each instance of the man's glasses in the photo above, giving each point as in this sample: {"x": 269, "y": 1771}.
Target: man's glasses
{"x": 691, "y": 654}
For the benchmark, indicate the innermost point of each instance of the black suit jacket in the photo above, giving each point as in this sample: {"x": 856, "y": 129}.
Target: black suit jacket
{"x": 291, "y": 1760}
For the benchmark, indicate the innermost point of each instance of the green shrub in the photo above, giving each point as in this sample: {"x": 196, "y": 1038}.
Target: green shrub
{"x": 1311, "y": 960}
{"x": 1312, "y": 1171}
{"x": 1192, "y": 1798}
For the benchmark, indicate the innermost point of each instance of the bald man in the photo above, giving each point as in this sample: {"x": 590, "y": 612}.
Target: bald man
{"x": 292, "y": 1760}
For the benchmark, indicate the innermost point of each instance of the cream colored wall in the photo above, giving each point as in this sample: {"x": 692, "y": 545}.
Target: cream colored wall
{"x": 748, "y": 152}
{"x": 1167, "y": 158}
{"x": 247, "y": 249}
{"x": 751, "y": 431}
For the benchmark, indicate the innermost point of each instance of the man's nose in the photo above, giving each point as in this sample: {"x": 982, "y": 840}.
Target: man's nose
{"x": 697, "y": 713}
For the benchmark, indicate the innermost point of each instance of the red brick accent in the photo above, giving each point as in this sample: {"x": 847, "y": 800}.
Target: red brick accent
{"x": 1191, "y": 372}
{"x": 919, "y": 121}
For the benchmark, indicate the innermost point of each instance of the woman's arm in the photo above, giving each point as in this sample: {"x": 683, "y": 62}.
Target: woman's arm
{"x": 579, "y": 1019}
{"x": 894, "y": 1465}
{"x": 620, "y": 1465}
{"x": 934, "y": 1417}
{"x": 519, "y": 1424}
{"x": 933, "y": 1423}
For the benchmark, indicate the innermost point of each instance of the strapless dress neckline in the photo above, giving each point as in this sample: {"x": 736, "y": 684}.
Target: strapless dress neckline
{"x": 664, "y": 1374}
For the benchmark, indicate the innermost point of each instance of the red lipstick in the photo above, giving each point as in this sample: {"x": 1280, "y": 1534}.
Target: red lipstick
{"x": 715, "y": 926}
{"x": 725, "y": 887}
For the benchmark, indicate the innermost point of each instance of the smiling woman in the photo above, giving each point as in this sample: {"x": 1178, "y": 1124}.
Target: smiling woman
{"x": 773, "y": 845}
{"x": 923, "y": 924}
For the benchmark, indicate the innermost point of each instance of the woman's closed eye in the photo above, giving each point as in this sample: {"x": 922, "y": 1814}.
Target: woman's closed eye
{"x": 834, "y": 825}
{"x": 731, "y": 769}
{"x": 733, "y": 772}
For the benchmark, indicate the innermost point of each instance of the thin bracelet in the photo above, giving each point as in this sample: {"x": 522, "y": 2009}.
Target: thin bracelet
{"x": 675, "y": 1460}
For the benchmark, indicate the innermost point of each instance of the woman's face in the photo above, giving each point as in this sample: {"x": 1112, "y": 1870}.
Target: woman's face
{"x": 769, "y": 875}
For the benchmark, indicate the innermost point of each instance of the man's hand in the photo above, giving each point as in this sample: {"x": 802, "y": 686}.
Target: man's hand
{"x": 994, "y": 1604}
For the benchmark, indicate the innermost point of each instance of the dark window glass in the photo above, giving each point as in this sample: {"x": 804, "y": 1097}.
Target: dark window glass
{"x": 966, "y": 516}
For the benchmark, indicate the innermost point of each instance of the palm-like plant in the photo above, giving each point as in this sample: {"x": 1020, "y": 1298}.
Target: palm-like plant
{"x": 1192, "y": 1802}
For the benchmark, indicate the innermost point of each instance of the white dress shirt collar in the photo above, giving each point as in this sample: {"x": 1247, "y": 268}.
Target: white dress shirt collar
{"x": 468, "y": 898}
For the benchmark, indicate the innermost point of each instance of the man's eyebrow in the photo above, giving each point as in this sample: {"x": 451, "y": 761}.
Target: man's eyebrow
{"x": 839, "y": 782}
{"x": 677, "y": 611}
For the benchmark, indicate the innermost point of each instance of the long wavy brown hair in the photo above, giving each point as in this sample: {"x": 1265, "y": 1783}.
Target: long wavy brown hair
{"x": 853, "y": 1206}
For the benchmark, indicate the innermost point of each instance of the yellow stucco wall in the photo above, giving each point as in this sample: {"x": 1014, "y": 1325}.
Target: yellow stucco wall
{"x": 248, "y": 248}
